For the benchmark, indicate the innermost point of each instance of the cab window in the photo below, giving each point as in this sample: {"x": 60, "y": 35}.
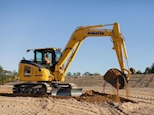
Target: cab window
{"x": 49, "y": 55}
{"x": 58, "y": 55}
{"x": 38, "y": 56}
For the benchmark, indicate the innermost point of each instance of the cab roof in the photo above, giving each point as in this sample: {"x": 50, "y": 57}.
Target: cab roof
{"x": 39, "y": 49}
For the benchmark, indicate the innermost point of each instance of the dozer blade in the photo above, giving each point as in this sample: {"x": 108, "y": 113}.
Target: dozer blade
{"x": 116, "y": 78}
{"x": 66, "y": 91}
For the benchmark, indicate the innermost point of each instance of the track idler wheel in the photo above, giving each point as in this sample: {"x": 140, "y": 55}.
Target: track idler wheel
{"x": 116, "y": 78}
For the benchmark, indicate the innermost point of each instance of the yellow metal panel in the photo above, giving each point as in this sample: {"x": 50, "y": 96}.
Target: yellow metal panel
{"x": 34, "y": 74}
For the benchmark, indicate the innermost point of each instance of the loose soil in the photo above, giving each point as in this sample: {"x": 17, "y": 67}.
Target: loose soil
{"x": 95, "y": 100}
{"x": 96, "y": 97}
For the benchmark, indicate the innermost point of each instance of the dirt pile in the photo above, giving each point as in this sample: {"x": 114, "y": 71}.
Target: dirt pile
{"x": 93, "y": 96}
{"x": 96, "y": 97}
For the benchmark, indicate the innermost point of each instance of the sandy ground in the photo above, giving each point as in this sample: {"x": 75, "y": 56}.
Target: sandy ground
{"x": 142, "y": 104}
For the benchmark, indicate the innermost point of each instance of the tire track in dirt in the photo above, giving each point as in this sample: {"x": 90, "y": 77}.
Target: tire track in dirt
{"x": 84, "y": 109}
{"x": 141, "y": 96}
{"x": 149, "y": 81}
{"x": 90, "y": 109}
{"x": 138, "y": 81}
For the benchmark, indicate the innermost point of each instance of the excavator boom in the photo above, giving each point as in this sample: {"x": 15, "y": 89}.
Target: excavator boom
{"x": 83, "y": 32}
{"x": 42, "y": 78}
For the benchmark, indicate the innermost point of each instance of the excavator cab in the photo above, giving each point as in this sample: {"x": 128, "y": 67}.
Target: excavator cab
{"x": 53, "y": 54}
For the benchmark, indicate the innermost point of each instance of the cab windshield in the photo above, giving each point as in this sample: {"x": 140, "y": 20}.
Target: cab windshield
{"x": 58, "y": 55}
{"x": 38, "y": 56}
{"x": 41, "y": 55}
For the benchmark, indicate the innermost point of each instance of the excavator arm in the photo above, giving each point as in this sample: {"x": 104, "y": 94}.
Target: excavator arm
{"x": 83, "y": 32}
{"x": 39, "y": 77}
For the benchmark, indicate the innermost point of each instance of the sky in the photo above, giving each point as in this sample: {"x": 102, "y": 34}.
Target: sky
{"x": 29, "y": 24}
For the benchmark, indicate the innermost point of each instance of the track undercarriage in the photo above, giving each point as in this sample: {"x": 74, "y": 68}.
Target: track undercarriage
{"x": 50, "y": 88}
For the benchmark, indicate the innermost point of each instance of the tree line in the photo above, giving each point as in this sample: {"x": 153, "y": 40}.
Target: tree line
{"x": 84, "y": 74}
{"x": 5, "y": 74}
{"x": 148, "y": 70}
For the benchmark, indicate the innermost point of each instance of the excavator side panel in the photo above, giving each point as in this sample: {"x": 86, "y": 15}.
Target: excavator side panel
{"x": 29, "y": 71}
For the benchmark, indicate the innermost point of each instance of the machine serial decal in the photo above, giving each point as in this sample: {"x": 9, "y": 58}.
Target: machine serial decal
{"x": 101, "y": 33}
{"x": 38, "y": 75}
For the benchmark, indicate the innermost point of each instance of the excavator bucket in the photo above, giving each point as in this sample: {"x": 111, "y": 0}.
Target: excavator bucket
{"x": 116, "y": 78}
{"x": 66, "y": 92}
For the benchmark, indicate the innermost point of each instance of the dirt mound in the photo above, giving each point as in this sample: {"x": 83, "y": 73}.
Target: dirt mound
{"x": 93, "y": 96}
{"x": 96, "y": 97}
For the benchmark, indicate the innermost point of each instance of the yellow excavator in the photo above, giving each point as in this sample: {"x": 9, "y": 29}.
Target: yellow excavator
{"x": 38, "y": 77}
